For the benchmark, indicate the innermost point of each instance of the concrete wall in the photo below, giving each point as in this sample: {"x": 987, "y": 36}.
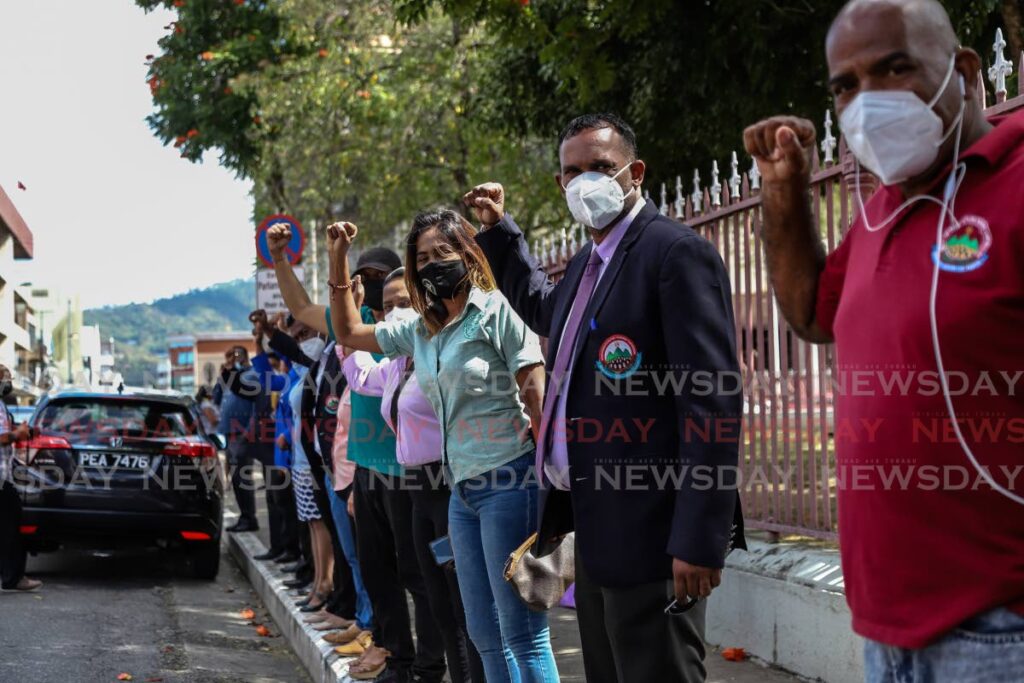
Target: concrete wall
{"x": 784, "y": 603}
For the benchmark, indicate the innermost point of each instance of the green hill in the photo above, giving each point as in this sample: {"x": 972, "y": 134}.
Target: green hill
{"x": 141, "y": 330}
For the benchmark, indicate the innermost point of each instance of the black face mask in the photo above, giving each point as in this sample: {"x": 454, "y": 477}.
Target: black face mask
{"x": 374, "y": 294}
{"x": 6, "y": 387}
{"x": 442, "y": 279}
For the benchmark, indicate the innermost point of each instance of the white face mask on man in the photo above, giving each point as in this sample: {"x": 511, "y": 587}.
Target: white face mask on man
{"x": 397, "y": 315}
{"x": 894, "y": 133}
{"x": 595, "y": 199}
{"x": 313, "y": 347}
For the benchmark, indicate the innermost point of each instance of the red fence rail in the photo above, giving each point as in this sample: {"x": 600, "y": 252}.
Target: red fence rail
{"x": 787, "y": 452}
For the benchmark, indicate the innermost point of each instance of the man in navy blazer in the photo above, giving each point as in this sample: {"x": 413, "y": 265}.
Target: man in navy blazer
{"x": 641, "y": 428}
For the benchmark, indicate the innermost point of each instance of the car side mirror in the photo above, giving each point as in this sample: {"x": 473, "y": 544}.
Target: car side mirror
{"x": 220, "y": 441}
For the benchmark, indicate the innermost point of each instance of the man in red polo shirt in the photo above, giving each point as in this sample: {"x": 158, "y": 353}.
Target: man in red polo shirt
{"x": 924, "y": 299}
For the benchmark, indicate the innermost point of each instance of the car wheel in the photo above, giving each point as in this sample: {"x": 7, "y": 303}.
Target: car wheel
{"x": 206, "y": 561}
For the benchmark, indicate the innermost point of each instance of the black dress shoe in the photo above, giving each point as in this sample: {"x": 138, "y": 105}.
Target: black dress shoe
{"x": 309, "y": 607}
{"x": 305, "y": 601}
{"x": 244, "y": 525}
{"x": 294, "y": 568}
{"x": 286, "y": 558}
{"x": 271, "y": 555}
{"x": 296, "y": 583}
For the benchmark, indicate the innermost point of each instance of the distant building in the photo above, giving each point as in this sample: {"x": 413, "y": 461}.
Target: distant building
{"x": 181, "y": 353}
{"x": 195, "y": 360}
{"x": 16, "y": 314}
{"x": 163, "y": 374}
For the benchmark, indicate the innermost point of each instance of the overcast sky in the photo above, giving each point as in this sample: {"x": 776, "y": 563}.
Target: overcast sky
{"x": 117, "y": 217}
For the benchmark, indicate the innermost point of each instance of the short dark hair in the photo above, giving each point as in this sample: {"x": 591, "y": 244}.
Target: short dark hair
{"x": 606, "y": 120}
{"x": 395, "y": 274}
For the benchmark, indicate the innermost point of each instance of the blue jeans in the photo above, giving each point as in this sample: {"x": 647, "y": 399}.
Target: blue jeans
{"x": 339, "y": 511}
{"x": 986, "y": 649}
{"x": 489, "y": 517}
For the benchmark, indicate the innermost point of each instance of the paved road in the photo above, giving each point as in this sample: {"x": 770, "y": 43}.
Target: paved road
{"x": 134, "y": 612}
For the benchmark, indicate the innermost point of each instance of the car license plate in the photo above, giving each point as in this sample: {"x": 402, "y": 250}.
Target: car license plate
{"x": 121, "y": 461}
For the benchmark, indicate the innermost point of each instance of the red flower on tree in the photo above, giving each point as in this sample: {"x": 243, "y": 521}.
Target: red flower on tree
{"x": 207, "y": 56}
{"x": 180, "y": 140}
{"x": 322, "y": 52}
{"x": 179, "y": 3}
{"x": 192, "y": 133}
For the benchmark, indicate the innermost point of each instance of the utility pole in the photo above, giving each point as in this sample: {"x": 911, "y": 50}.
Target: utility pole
{"x": 67, "y": 343}
{"x": 316, "y": 264}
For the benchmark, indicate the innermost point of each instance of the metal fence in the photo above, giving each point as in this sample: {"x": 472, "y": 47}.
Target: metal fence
{"x": 787, "y": 451}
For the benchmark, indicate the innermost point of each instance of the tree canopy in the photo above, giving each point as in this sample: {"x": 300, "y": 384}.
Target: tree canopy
{"x": 372, "y": 110}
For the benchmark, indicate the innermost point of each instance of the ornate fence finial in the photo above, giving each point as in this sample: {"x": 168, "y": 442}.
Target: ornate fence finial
{"x": 697, "y": 198}
{"x": 754, "y": 175}
{"x": 680, "y": 202}
{"x": 564, "y": 251}
{"x": 829, "y": 143}
{"x": 1000, "y": 68}
{"x": 664, "y": 201}
{"x": 583, "y": 233}
{"x": 574, "y": 245}
{"x": 716, "y": 187}
{"x": 734, "y": 178}
{"x": 549, "y": 250}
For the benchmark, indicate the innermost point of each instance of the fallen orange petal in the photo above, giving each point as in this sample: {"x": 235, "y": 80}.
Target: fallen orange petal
{"x": 263, "y": 631}
{"x": 124, "y": 677}
{"x": 248, "y": 614}
{"x": 734, "y": 654}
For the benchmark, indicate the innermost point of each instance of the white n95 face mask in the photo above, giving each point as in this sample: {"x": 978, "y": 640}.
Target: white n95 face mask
{"x": 595, "y": 199}
{"x": 313, "y": 347}
{"x": 894, "y": 133}
{"x": 398, "y": 315}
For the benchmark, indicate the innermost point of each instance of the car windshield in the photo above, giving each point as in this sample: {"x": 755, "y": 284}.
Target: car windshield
{"x": 89, "y": 420}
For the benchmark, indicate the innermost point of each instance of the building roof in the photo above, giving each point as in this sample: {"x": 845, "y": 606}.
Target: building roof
{"x": 236, "y": 335}
{"x": 10, "y": 217}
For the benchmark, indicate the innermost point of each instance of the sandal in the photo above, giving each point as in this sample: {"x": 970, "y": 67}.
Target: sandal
{"x": 370, "y": 665}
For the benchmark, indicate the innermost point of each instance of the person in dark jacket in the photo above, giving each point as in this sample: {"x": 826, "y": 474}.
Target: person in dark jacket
{"x": 646, "y": 301}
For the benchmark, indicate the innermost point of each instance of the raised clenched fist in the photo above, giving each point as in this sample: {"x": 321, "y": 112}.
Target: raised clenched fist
{"x": 487, "y": 202}
{"x": 783, "y": 147}
{"x": 340, "y": 237}
{"x": 278, "y": 238}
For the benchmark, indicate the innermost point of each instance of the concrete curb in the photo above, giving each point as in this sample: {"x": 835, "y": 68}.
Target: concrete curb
{"x": 320, "y": 660}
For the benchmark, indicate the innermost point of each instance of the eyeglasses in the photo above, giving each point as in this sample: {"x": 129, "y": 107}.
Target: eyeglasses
{"x": 676, "y": 608}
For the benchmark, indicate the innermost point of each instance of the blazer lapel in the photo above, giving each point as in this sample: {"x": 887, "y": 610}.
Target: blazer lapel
{"x": 646, "y": 215}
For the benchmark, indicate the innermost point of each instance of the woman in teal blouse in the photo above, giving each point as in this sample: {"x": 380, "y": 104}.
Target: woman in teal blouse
{"x": 482, "y": 370}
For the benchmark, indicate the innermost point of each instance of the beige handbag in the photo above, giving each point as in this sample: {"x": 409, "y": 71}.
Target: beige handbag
{"x": 541, "y": 582}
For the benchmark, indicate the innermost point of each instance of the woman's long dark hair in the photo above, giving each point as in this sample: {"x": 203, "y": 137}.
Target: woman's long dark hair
{"x": 458, "y": 233}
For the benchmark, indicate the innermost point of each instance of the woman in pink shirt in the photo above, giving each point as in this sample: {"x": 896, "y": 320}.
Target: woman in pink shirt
{"x": 418, "y": 447}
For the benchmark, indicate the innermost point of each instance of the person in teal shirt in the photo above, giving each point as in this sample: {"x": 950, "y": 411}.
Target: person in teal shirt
{"x": 383, "y": 509}
{"x": 467, "y": 344}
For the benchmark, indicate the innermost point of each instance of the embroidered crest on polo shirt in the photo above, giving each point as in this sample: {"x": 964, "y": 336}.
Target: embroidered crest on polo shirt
{"x": 964, "y": 246}
{"x": 471, "y": 323}
{"x": 331, "y": 405}
{"x": 618, "y": 357}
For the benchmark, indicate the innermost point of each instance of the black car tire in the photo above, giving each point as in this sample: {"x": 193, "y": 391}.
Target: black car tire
{"x": 206, "y": 561}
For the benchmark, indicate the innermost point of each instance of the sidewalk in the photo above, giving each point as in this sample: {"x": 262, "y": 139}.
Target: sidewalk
{"x": 326, "y": 667}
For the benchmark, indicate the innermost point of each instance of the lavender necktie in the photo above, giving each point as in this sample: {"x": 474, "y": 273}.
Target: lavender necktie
{"x": 564, "y": 357}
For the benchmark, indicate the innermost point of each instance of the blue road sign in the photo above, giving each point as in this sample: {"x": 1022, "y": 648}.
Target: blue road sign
{"x": 294, "y": 249}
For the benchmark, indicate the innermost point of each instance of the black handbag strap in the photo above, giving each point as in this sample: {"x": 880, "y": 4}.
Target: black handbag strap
{"x": 398, "y": 391}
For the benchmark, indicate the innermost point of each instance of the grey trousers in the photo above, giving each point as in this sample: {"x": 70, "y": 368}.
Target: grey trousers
{"x": 628, "y": 638}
